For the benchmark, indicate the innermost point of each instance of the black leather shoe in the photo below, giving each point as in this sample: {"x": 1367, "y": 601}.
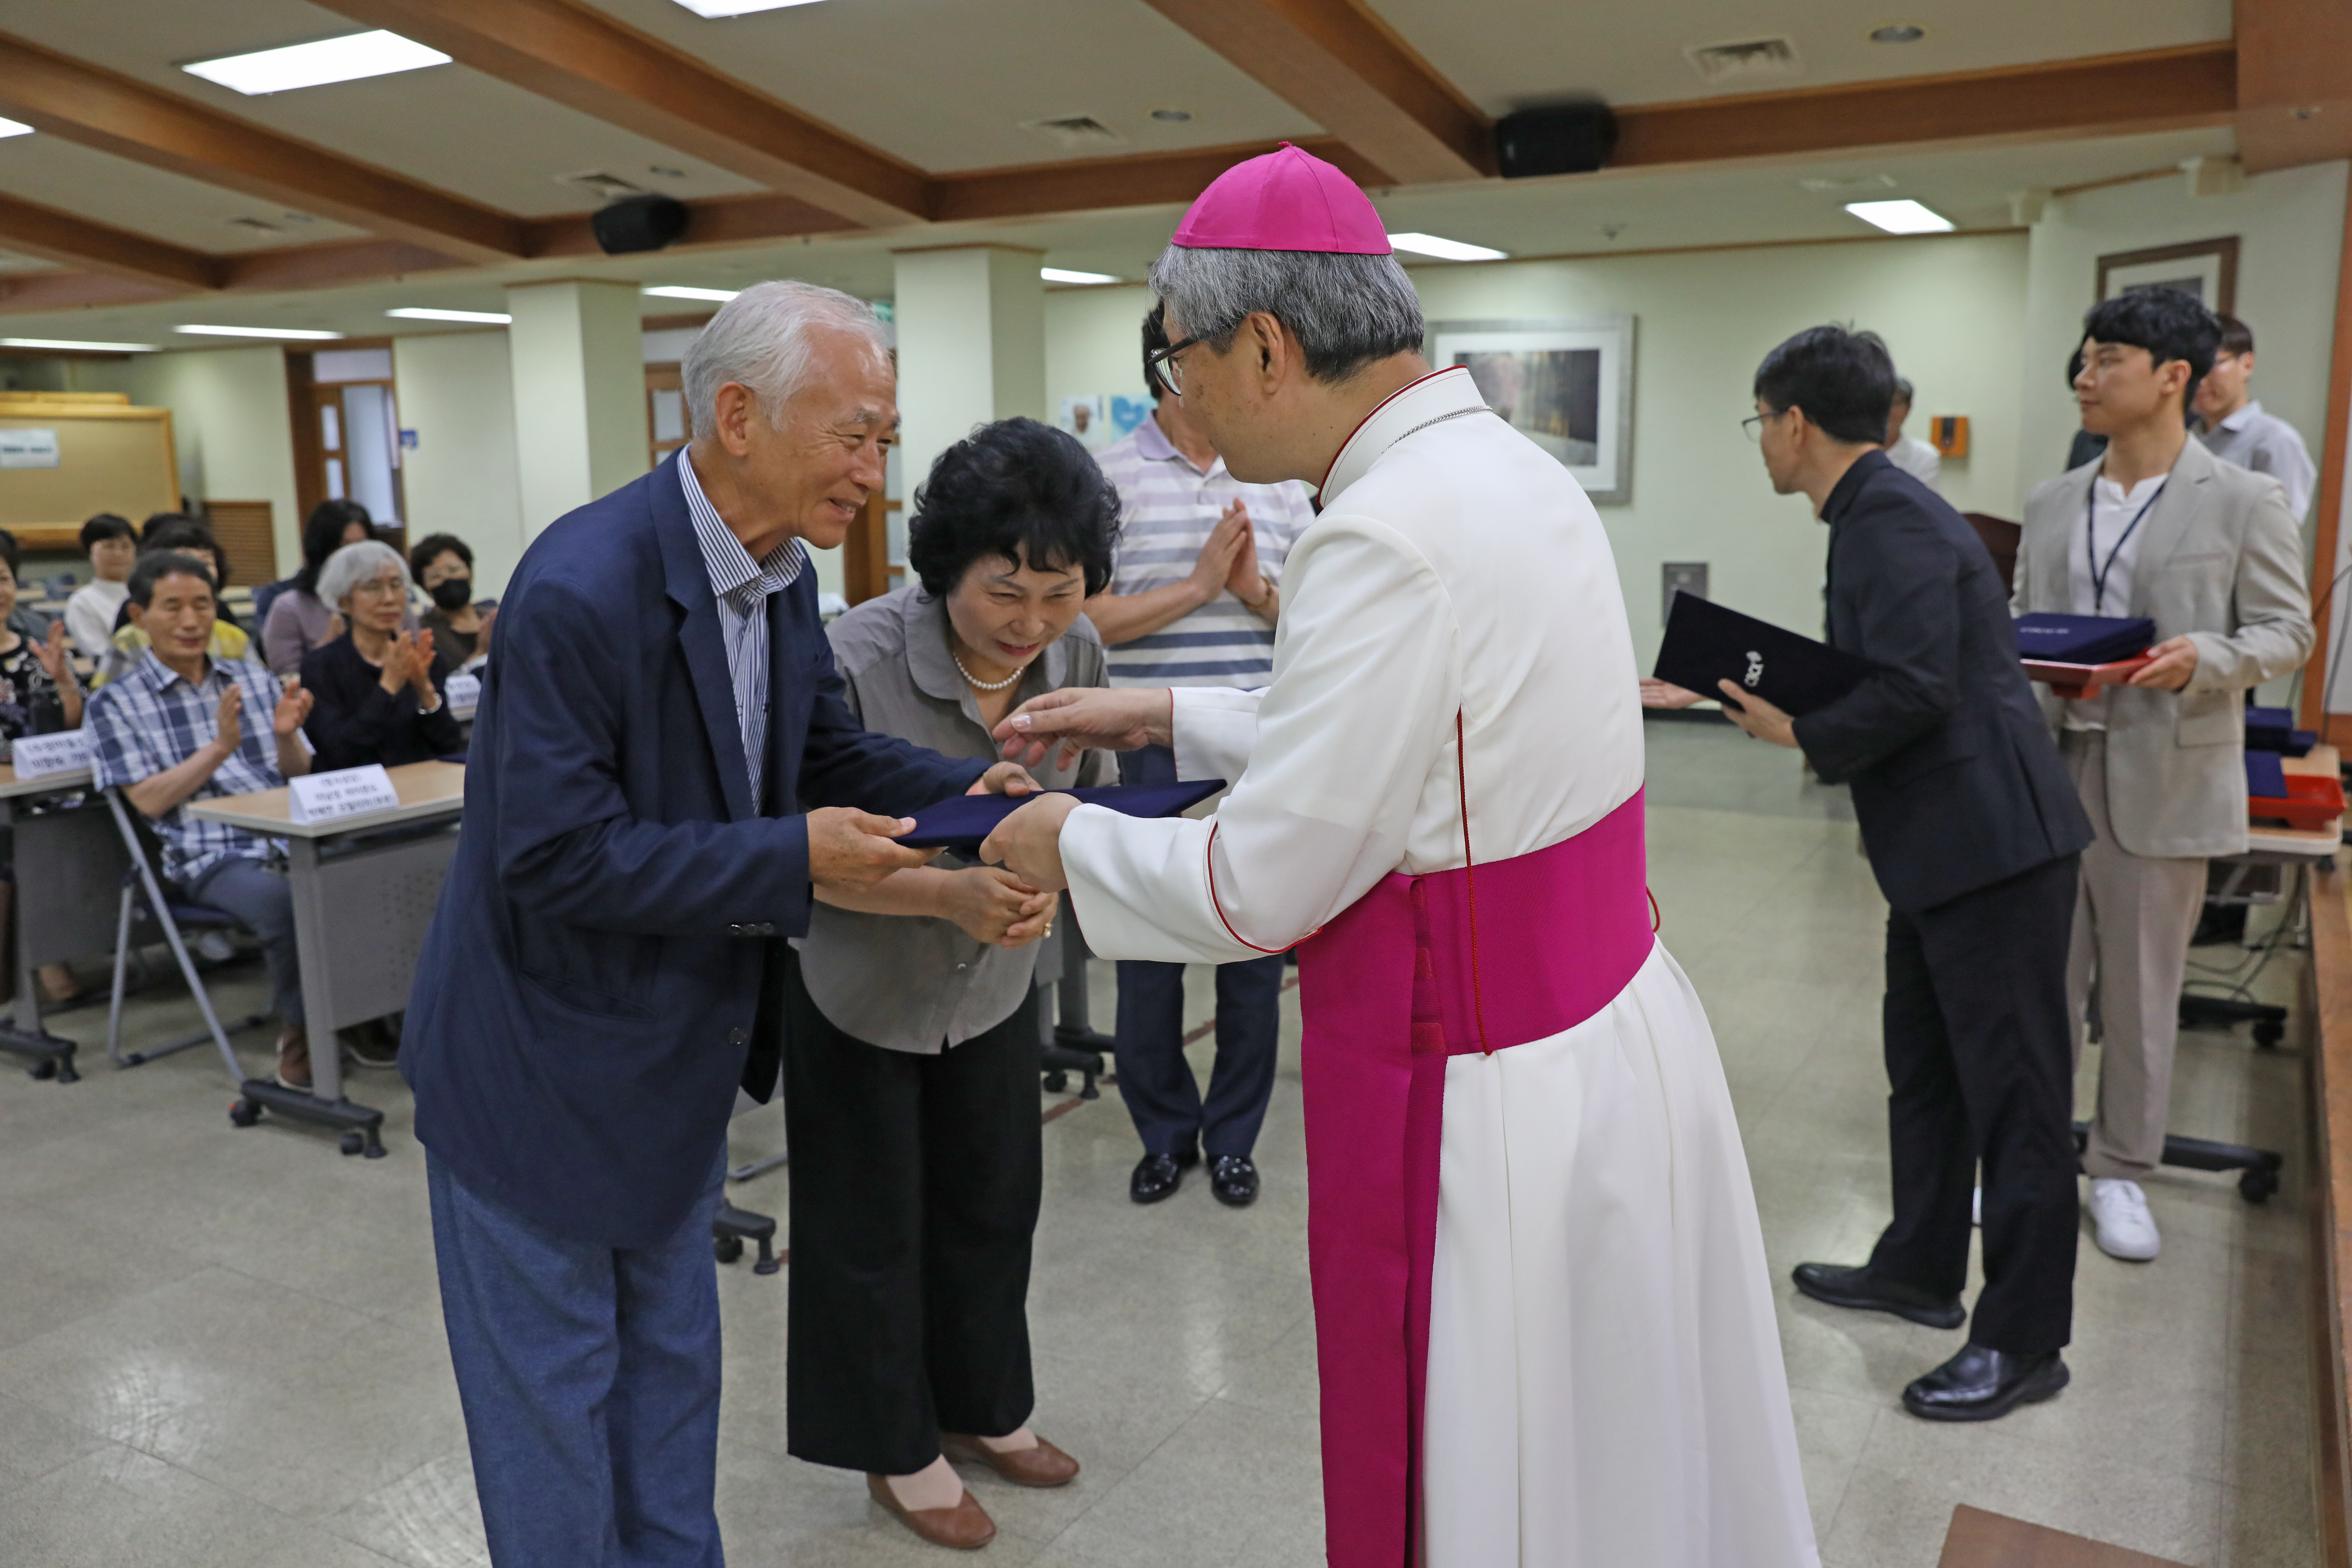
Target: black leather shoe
{"x": 1234, "y": 1180}
{"x": 1157, "y": 1176}
{"x": 1981, "y": 1384}
{"x": 1858, "y": 1288}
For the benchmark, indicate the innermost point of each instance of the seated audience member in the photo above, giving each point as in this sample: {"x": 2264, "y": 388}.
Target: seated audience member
{"x": 298, "y": 619}
{"x": 112, "y": 544}
{"x": 375, "y": 690}
{"x": 458, "y": 621}
{"x": 24, "y": 620}
{"x": 39, "y": 695}
{"x": 182, "y": 725}
{"x": 911, "y": 1041}
{"x": 129, "y": 643}
{"x": 2235, "y": 428}
{"x": 1909, "y": 453}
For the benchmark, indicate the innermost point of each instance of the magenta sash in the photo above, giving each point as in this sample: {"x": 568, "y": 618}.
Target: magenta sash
{"x": 1420, "y": 969}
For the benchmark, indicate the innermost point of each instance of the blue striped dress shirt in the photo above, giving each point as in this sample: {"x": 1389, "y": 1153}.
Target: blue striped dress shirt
{"x": 743, "y": 587}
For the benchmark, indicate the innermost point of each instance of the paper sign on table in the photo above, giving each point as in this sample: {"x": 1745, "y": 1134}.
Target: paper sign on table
{"x": 346, "y": 792}
{"x": 463, "y": 691}
{"x": 37, "y": 756}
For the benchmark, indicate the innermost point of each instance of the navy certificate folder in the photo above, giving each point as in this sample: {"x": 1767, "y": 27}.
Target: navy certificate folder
{"x": 2054, "y": 639}
{"x": 2265, "y": 775}
{"x": 961, "y": 821}
{"x": 1706, "y": 643}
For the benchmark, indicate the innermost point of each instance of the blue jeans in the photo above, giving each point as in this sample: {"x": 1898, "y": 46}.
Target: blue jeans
{"x": 590, "y": 1380}
{"x": 1162, "y": 1096}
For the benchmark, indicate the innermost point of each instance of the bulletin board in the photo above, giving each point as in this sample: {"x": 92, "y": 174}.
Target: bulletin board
{"x": 108, "y": 458}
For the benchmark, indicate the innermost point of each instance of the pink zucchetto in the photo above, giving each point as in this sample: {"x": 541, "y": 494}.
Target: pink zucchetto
{"x": 1287, "y": 200}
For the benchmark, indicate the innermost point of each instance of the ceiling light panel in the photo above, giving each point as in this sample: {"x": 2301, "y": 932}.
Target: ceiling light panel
{"x": 738, "y": 7}
{"x": 1064, "y": 275}
{"x": 317, "y": 64}
{"x": 14, "y": 127}
{"x": 76, "y": 346}
{"x": 425, "y": 313}
{"x": 297, "y": 335}
{"x": 680, "y": 292}
{"x": 1445, "y": 249}
{"x": 1901, "y": 216}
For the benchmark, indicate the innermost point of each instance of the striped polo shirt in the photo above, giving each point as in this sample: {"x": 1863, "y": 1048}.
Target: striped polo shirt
{"x": 1167, "y": 509}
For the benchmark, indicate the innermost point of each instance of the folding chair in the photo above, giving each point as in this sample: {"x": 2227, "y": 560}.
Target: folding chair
{"x": 143, "y": 896}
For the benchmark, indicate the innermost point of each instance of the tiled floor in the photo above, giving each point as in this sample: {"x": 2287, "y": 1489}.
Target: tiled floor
{"x": 221, "y": 1347}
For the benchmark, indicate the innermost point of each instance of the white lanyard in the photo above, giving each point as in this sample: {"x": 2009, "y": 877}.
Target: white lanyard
{"x": 2091, "y": 541}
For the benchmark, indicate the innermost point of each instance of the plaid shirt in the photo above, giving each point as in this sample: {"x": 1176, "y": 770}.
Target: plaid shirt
{"x": 150, "y": 720}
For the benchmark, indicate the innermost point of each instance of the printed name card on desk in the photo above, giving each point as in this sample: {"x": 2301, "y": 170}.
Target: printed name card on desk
{"x": 37, "y": 756}
{"x": 463, "y": 691}
{"x": 346, "y": 792}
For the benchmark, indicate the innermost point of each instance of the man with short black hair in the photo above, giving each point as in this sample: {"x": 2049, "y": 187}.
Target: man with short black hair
{"x": 1974, "y": 837}
{"x": 2236, "y": 429}
{"x": 112, "y": 544}
{"x": 2158, "y": 526}
{"x": 174, "y": 728}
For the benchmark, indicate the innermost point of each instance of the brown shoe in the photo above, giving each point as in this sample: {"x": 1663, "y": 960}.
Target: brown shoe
{"x": 1043, "y": 1466}
{"x": 965, "y": 1527}
{"x": 294, "y": 1060}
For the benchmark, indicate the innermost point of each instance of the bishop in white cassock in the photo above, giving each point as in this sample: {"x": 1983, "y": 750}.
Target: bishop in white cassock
{"x": 1545, "y": 1329}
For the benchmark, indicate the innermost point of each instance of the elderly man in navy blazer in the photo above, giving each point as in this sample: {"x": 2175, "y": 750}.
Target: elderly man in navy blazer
{"x": 662, "y": 767}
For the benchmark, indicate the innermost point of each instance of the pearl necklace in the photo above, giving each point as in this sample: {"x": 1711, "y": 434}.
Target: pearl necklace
{"x": 979, "y": 685}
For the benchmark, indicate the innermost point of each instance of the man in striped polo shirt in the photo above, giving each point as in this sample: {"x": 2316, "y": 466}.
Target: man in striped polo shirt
{"x": 1193, "y": 603}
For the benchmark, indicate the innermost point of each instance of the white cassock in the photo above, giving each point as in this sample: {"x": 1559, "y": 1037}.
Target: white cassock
{"x": 1603, "y": 1383}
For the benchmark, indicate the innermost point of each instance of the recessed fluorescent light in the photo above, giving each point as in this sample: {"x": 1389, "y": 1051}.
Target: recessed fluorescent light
{"x": 1064, "y": 275}
{"x": 1445, "y": 249}
{"x": 302, "y": 333}
{"x": 737, "y": 7}
{"x": 1902, "y": 217}
{"x": 680, "y": 292}
{"x": 75, "y": 344}
{"x": 14, "y": 127}
{"x": 420, "y": 313}
{"x": 316, "y": 64}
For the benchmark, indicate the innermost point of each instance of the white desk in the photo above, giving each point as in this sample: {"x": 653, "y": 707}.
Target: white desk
{"x": 68, "y": 867}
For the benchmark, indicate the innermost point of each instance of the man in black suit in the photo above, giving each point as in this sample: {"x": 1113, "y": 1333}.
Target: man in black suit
{"x": 1974, "y": 833}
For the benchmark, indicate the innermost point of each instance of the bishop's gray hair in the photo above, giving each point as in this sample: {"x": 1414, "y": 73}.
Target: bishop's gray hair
{"x": 1345, "y": 311}
{"x": 762, "y": 339}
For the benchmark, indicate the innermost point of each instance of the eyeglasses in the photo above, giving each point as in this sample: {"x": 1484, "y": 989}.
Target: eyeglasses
{"x": 381, "y": 588}
{"x": 1163, "y": 363}
{"x": 1753, "y": 425}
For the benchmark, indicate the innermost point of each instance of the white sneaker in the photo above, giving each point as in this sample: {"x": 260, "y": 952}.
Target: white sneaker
{"x": 1976, "y": 1208}
{"x": 215, "y": 946}
{"x": 2127, "y": 1229}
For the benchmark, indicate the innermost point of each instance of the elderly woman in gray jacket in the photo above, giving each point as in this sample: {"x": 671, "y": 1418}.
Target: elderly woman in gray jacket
{"x": 912, "y": 1035}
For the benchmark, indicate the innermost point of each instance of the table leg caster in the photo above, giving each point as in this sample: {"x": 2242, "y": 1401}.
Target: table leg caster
{"x": 244, "y": 1112}
{"x": 727, "y": 1249}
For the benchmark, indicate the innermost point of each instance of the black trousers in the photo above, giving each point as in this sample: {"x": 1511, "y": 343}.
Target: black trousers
{"x": 916, "y": 1181}
{"x": 1980, "y": 1071}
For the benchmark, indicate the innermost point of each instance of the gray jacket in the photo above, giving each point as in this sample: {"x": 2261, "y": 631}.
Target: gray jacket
{"x": 913, "y": 982}
{"x": 2223, "y": 563}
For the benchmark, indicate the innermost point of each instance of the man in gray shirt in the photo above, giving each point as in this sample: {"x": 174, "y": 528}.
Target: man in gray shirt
{"x": 2235, "y": 429}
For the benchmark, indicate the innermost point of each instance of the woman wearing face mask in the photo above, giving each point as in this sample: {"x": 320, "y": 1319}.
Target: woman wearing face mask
{"x": 375, "y": 690}
{"x": 911, "y": 1037}
{"x": 458, "y": 624}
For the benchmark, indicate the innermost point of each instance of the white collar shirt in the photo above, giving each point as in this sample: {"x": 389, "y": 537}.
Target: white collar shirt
{"x": 742, "y": 588}
{"x": 2109, "y": 532}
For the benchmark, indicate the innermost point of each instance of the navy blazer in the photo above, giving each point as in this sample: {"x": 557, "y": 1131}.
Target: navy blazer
{"x": 590, "y": 994}
{"x": 1957, "y": 783}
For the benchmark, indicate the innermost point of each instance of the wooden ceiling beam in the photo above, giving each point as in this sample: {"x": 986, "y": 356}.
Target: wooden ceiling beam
{"x": 81, "y": 103}
{"x": 584, "y": 58}
{"x": 31, "y": 293}
{"x": 1090, "y": 184}
{"x": 1348, "y": 71}
{"x": 76, "y": 242}
{"x": 716, "y": 221}
{"x": 2294, "y": 82}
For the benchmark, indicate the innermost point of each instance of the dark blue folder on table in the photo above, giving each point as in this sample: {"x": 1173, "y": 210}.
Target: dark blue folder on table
{"x": 963, "y": 821}
{"x": 2053, "y": 639}
{"x": 2265, "y": 775}
{"x": 1706, "y": 643}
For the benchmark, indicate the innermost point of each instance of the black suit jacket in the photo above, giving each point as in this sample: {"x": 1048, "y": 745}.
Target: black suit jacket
{"x": 1956, "y": 780}
{"x": 591, "y": 992}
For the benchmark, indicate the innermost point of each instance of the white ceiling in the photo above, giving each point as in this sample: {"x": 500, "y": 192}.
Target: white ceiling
{"x": 151, "y": 202}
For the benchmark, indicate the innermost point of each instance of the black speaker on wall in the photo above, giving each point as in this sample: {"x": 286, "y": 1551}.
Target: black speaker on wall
{"x": 638, "y": 223}
{"x": 1564, "y": 139}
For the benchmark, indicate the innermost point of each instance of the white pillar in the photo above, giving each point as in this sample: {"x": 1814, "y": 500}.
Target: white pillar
{"x": 578, "y": 360}
{"x": 971, "y": 348}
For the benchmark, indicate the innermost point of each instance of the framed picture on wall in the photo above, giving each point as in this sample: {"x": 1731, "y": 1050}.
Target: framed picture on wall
{"x": 2207, "y": 269}
{"x": 1566, "y": 385}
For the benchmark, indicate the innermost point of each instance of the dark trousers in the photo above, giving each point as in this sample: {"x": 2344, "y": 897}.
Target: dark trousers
{"x": 916, "y": 1181}
{"x": 263, "y": 904}
{"x": 589, "y": 1376}
{"x": 1980, "y": 1071}
{"x": 1154, "y": 1079}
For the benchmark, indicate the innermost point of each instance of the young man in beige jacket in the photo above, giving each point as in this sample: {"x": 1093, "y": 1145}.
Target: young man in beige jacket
{"x": 2156, "y": 526}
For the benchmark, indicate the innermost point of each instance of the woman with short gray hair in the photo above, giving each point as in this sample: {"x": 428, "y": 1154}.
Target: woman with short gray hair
{"x": 377, "y": 689}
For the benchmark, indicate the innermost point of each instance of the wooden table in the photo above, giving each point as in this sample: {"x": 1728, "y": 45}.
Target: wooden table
{"x": 364, "y": 890}
{"x": 68, "y": 870}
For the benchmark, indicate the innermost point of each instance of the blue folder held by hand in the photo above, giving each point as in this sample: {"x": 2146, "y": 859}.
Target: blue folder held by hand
{"x": 963, "y": 821}
{"x": 2054, "y": 639}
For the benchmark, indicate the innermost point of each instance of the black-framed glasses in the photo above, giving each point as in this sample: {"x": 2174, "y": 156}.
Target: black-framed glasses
{"x": 1753, "y": 425}
{"x": 1163, "y": 365}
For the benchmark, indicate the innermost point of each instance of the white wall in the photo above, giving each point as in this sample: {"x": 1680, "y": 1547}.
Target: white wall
{"x": 1949, "y": 309}
{"x": 456, "y": 393}
{"x": 231, "y": 423}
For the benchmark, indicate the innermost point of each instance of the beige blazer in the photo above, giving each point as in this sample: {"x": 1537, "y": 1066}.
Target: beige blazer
{"x": 2221, "y": 563}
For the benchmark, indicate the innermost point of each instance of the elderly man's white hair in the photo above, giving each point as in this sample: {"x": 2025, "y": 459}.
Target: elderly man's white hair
{"x": 356, "y": 564}
{"x": 763, "y": 338}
